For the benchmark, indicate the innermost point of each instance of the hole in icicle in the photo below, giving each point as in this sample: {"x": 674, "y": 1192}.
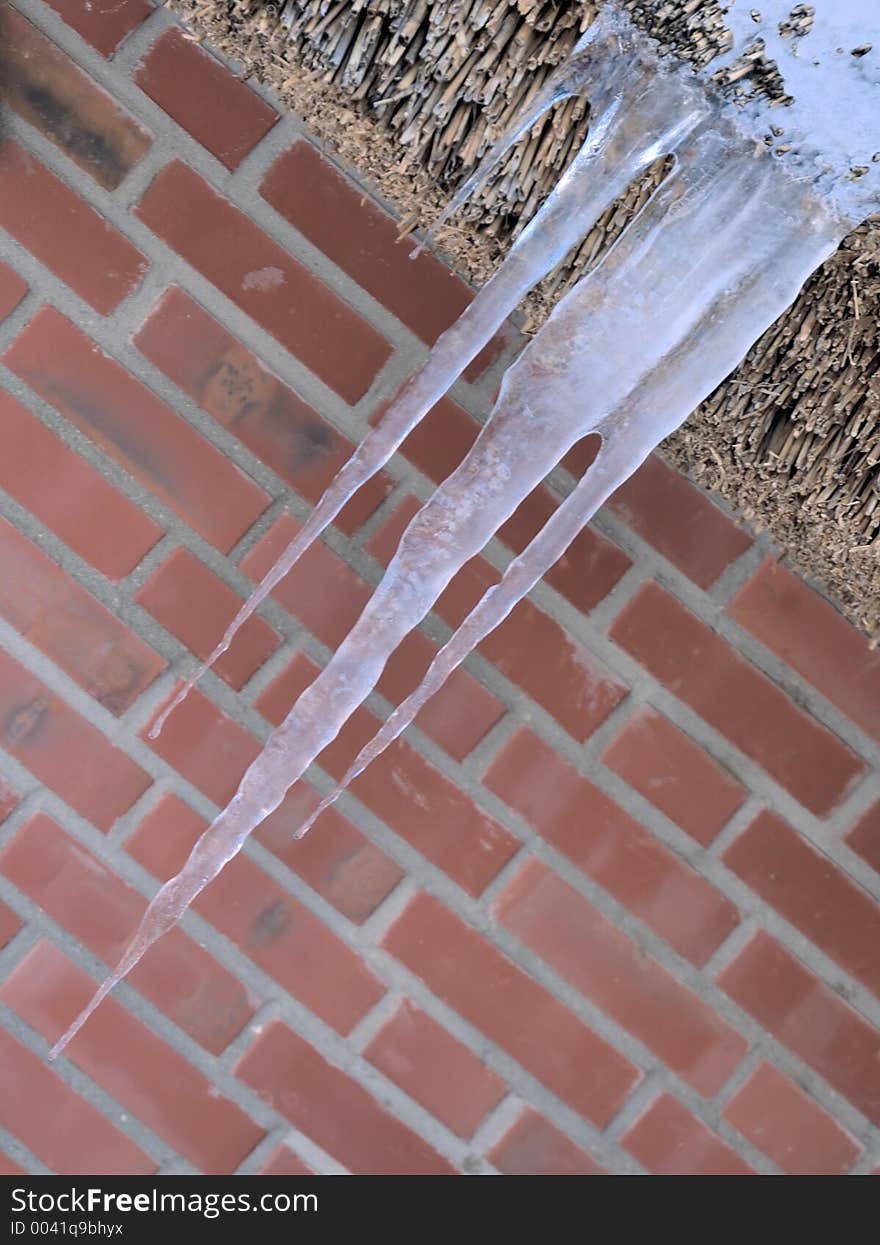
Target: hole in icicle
{"x": 582, "y": 455}
{"x": 587, "y": 253}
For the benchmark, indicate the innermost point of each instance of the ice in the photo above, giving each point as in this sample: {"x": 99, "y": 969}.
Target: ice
{"x": 718, "y": 253}
{"x": 619, "y": 71}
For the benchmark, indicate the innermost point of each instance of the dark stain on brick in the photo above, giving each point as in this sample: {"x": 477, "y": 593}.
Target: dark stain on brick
{"x": 114, "y": 681}
{"x": 108, "y": 672}
{"x": 54, "y": 95}
{"x": 269, "y": 924}
{"x": 241, "y": 395}
{"x": 233, "y": 388}
{"x": 338, "y": 868}
{"x": 89, "y": 148}
{"x": 304, "y": 440}
{"x": 23, "y": 722}
{"x": 109, "y": 429}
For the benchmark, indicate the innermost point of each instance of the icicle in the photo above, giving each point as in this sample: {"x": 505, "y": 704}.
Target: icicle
{"x": 718, "y": 253}
{"x": 644, "y": 113}
{"x": 585, "y": 73}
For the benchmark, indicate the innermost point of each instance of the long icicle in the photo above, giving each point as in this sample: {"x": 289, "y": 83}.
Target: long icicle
{"x": 534, "y": 422}
{"x": 626, "y": 138}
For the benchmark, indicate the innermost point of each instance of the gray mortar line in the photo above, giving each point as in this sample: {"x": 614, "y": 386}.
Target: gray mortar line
{"x": 20, "y": 1154}
{"x": 676, "y": 967}
{"x": 79, "y": 1081}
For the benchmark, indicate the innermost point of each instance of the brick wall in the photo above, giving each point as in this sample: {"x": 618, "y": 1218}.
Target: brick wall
{"x": 611, "y": 905}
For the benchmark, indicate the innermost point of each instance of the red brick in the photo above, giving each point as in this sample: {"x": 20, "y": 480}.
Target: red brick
{"x": 67, "y": 235}
{"x": 334, "y": 858}
{"x": 864, "y": 838}
{"x": 10, "y": 924}
{"x": 810, "y": 891}
{"x": 704, "y": 671}
{"x": 433, "y": 1067}
{"x": 337, "y": 1113}
{"x": 674, "y": 774}
{"x": 438, "y": 444}
{"x": 45, "y": 87}
{"x": 65, "y": 751}
{"x": 234, "y": 387}
{"x": 276, "y": 700}
{"x": 204, "y": 745}
{"x": 78, "y": 891}
{"x": 340, "y": 220}
{"x": 9, "y": 799}
{"x": 138, "y": 1069}
{"x": 12, "y": 290}
{"x": 533, "y": 1147}
{"x": 554, "y": 669}
{"x": 136, "y": 429}
{"x": 102, "y": 23}
{"x": 611, "y": 847}
{"x": 58, "y": 616}
{"x": 283, "y": 1162}
{"x": 809, "y": 634}
{"x": 590, "y": 566}
{"x": 529, "y": 648}
{"x": 196, "y": 607}
{"x": 813, "y": 1021}
{"x": 538, "y": 655}
{"x": 406, "y": 792}
{"x": 69, "y": 496}
{"x": 668, "y": 1141}
{"x": 321, "y": 591}
{"x": 277, "y": 291}
{"x": 679, "y": 521}
{"x": 608, "y": 968}
{"x": 8, "y": 1168}
{"x": 202, "y": 96}
{"x": 459, "y": 715}
{"x": 63, "y": 1130}
{"x": 272, "y": 928}
{"x": 498, "y": 998}
{"x": 582, "y": 454}
{"x": 790, "y": 1128}
{"x": 382, "y": 545}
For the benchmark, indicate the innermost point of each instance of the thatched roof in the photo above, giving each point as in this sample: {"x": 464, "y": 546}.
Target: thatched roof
{"x": 411, "y": 91}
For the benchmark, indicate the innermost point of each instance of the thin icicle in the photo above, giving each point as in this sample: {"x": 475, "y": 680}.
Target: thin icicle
{"x": 584, "y": 73}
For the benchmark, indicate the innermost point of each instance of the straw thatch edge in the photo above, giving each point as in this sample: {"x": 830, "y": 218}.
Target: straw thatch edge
{"x": 743, "y": 443}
